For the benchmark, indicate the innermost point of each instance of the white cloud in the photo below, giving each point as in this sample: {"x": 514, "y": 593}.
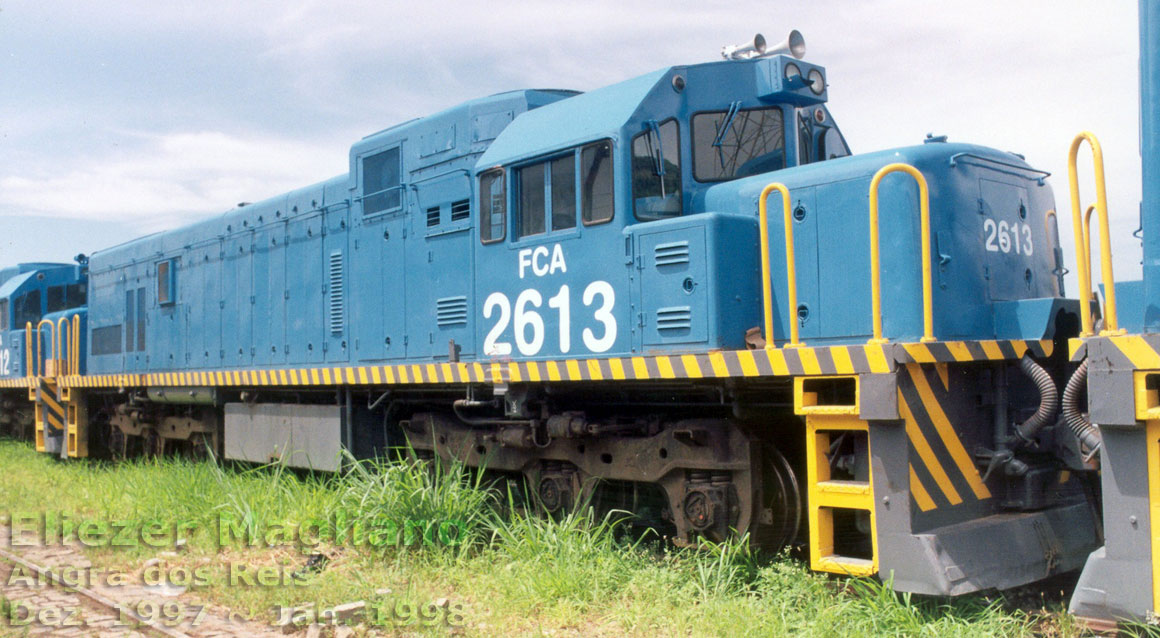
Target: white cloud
{"x": 169, "y": 178}
{"x": 277, "y": 91}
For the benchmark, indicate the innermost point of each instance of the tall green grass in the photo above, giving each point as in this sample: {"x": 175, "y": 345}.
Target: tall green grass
{"x": 519, "y": 573}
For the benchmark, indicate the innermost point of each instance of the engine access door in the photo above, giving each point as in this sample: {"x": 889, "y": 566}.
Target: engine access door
{"x": 1006, "y": 236}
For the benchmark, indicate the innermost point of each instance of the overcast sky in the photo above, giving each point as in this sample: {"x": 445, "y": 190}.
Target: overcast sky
{"x": 121, "y": 118}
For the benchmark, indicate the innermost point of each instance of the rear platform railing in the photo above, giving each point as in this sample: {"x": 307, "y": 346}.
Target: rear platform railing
{"x": 790, "y": 265}
{"x": 875, "y": 278}
{"x": 1081, "y": 231}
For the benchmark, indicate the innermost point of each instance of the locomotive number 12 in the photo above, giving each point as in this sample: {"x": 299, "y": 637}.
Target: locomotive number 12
{"x": 529, "y": 324}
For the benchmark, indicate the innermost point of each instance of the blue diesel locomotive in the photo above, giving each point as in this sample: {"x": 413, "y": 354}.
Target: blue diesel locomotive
{"x": 680, "y": 294}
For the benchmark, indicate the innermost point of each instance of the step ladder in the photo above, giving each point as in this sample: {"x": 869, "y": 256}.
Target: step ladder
{"x": 827, "y": 420}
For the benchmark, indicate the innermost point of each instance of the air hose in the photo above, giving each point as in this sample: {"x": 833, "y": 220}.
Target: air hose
{"x": 1048, "y": 400}
{"x": 1083, "y": 429}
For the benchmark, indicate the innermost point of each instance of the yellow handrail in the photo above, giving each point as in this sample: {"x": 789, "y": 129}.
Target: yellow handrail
{"x": 28, "y": 370}
{"x": 1111, "y": 326}
{"x": 1087, "y": 241}
{"x": 39, "y": 355}
{"x": 63, "y": 328}
{"x": 75, "y": 366}
{"x": 924, "y": 222}
{"x": 790, "y": 265}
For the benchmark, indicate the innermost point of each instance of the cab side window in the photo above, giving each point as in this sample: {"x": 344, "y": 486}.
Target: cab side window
{"x": 492, "y": 206}
{"x": 55, "y": 299}
{"x": 547, "y": 191}
{"x": 548, "y": 195}
{"x": 382, "y": 182}
{"x": 656, "y": 171}
{"x": 596, "y": 194}
{"x": 28, "y": 309}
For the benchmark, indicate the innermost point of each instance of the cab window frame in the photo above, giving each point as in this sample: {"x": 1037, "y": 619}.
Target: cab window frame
{"x": 486, "y": 212}
{"x": 167, "y": 282}
{"x": 787, "y": 124}
{"x": 680, "y": 168}
{"x": 546, "y": 166}
{"x": 397, "y": 175}
{"x": 610, "y": 172}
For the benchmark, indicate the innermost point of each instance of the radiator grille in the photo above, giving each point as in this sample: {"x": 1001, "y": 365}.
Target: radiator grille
{"x": 433, "y": 216}
{"x": 671, "y": 254}
{"x": 674, "y": 318}
{"x": 460, "y": 210}
{"x": 451, "y": 311}
{"x": 337, "y": 293}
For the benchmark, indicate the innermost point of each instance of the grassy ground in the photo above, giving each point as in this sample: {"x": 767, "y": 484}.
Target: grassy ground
{"x": 509, "y": 575}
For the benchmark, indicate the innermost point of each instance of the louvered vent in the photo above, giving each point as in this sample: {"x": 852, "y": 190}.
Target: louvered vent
{"x": 451, "y": 311}
{"x": 337, "y": 293}
{"x": 433, "y": 216}
{"x": 675, "y": 318}
{"x": 673, "y": 253}
{"x": 460, "y": 210}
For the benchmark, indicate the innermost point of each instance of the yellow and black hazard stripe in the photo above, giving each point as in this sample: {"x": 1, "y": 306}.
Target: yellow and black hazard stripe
{"x": 20, "y": 382}
{"x": 787, "y": 362}
{"x": 966, "y": 351}
{"x": 942, "y": 471}
{"x": 1128, "y": 352}
{"x": 51, "y": 409}
{"x": 777, "y": 362}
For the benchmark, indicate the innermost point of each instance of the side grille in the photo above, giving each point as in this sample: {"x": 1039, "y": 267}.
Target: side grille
{"x": 460, "y": 210}
{"x": 433, "y": 216}
{"x": 671, "y": 254}
{"x": 674, "y": 318}
{"x": 451, "y": 311}
{"x": 337, "y": 293}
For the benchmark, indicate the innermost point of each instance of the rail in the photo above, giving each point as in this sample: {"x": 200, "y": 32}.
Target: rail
{"x": 29, "y": 371}
{"x": 790, "y": 265}
{"x": 75, "y": 348}
{"x": 68, "y": 340}
{"x": 875, "y": 278}
{"x": 40, "y": 365}
{"x": 1087, "y": 245}
{"x": 1083, "y": 255}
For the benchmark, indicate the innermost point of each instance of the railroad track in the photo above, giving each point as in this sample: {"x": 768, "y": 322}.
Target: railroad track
{"x": 54, "y": 590}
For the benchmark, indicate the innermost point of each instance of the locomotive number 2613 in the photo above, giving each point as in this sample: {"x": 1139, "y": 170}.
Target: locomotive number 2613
{"x": 527, "y": 321}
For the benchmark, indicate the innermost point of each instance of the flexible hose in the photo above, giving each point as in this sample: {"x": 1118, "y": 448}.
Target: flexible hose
{"x": 1048, "y": 400}
{"x": 1083, "y": 429}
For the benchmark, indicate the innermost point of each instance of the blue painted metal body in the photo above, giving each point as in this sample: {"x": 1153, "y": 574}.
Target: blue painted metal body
{"x": 386, "y": 263}
{"x": 1150, "y": 159}
{"x": 28, "y": 293}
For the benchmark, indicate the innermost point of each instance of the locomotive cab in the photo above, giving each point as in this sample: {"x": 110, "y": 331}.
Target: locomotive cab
{"x": 29, "y": 294}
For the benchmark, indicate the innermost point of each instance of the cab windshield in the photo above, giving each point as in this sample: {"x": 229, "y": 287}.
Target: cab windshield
{"x": 737, "y": 143}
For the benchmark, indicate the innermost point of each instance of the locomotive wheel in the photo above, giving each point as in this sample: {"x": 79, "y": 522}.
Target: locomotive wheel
{"x": 782, "y": 505}
{"x": 154, "y": 444}
{"x": 198, "y": 447}
{"x": 117, "y": 443}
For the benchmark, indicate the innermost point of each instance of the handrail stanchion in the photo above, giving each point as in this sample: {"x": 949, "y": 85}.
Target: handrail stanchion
{"x": 1087, "y": 241}
{"x": 1111, "y": 326}
{"x": 75, "y": 366}
{"x": 39, "y": 356}
{"x": 63, "y": 328}
{"x": 790, "y": 265}
{"x": 29, "y": 371}
{"x": 924, "y": 223}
